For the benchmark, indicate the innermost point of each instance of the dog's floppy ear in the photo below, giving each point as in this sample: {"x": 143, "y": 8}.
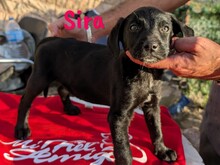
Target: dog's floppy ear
{"x": 179, "y": 27}
{"x": 115, "y": 37}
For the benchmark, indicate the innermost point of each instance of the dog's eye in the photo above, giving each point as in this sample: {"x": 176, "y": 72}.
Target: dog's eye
{"x": 134, "y": 27}
{"x": 165, "y": 28}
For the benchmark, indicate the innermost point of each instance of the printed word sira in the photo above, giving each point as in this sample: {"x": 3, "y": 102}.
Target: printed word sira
{"x": 96, "y": 21}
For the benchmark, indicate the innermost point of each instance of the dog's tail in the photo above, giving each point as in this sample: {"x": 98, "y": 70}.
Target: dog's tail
{"x": 46, "y": 91}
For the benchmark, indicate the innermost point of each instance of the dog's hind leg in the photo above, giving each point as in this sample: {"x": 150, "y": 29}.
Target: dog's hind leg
{"x": 68, "y": 107}
{"x": 151, "y": 111}
{"x": 34, "y": 86}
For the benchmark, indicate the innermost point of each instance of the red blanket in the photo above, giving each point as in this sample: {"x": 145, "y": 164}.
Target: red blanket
{"x": 77, "y": 140}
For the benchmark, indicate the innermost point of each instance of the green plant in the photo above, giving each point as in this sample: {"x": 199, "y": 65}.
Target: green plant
{"x": 204, "y": 19}
{"x": 198, "y": 91}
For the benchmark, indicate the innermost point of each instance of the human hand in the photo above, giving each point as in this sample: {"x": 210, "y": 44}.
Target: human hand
{"x": 197, "y": 57}
{"x": 57, "y": 29}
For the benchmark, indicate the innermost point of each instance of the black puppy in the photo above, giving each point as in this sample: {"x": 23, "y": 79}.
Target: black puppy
{"x": 94, "y": 73}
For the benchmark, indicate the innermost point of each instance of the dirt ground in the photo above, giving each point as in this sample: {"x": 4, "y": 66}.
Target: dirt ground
{"x": 190, "y": 117}
{"x": 189, "y": 121}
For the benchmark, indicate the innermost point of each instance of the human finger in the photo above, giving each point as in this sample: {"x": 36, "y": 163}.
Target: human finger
{"x": 163, "y": 64}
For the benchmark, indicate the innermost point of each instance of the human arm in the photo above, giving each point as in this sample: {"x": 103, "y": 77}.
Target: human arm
{"x": 198, "y": 57}
{"x": 111, "y": 17}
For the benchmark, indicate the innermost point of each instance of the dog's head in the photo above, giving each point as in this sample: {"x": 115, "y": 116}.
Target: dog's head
{"x": 147, "y": 34}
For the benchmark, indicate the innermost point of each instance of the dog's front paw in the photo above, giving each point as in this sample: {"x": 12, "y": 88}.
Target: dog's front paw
{"x": 166, "y": 154}
{"x": 22, "y": 132}
{"x": 71, "y": 110}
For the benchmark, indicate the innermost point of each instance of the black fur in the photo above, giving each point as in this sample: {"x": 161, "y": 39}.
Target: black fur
{"x": 105, "y": 75}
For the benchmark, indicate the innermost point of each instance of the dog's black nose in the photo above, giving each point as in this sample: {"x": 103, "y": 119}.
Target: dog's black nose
{"x": 151, "y": 47}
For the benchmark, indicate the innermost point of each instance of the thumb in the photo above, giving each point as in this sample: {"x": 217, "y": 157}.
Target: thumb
{"x": 52, "y": 30}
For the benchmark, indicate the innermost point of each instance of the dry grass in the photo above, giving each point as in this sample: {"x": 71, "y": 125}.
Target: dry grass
{"x": 47, "y": 9}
